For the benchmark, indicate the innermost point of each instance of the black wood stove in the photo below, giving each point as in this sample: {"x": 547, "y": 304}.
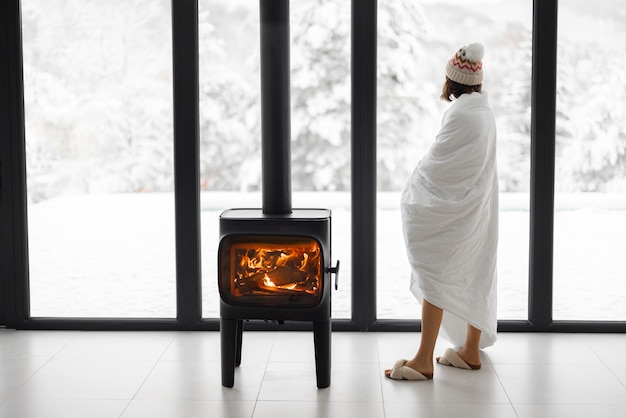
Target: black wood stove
{"x": 274, "y": 262}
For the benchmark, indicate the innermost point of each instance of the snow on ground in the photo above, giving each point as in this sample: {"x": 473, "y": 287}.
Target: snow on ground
{"x": 114, "y": 255}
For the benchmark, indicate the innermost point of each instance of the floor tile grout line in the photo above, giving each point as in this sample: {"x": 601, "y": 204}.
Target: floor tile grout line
{"x": 495, "y": 371}
{"x": 604, "y": 363}
{"x": 156, "y": 363}
{"x": 21, "y": 386}
{"x": 380, "y": 378}
{"x": 267, "y": 363}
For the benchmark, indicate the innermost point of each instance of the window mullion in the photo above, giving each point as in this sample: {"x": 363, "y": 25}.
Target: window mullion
{"x": 186, "y": 161}
{"x": 543, "y": 111}
{"x": 364, "y": 45}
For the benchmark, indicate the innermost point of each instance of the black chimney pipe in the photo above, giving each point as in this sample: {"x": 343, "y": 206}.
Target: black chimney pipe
{"x": 275, "y": 107}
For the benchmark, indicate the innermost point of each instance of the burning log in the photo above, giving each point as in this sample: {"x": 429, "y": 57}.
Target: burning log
{"x": 278, "y": 280}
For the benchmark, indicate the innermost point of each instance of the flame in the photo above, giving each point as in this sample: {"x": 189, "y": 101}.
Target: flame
{"x": 268, "y": 282}
{"x": 288, "y": 268}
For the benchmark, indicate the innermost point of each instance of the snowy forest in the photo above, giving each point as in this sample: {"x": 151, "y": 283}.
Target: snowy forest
{"x": 98, "y": 92}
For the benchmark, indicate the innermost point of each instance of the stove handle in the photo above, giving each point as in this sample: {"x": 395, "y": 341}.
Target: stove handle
{"x": 335, "y": 271}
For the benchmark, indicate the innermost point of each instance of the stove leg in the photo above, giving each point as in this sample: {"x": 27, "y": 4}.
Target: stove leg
{"x": 238, "y": 342}
{"x": 228, "y": 340}
{"x": 321, "y": 339}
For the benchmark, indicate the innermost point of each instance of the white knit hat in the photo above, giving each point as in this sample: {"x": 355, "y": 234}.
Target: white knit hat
{"x": 466, "y": 65}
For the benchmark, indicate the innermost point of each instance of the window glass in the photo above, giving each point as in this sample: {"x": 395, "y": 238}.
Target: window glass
{"x": 320, "y": 125}
{"x": 99, "y": 150}
{"x": 415, "y": 40}
{"x": 231, "y": 132}
{"x": 590, "y": 200}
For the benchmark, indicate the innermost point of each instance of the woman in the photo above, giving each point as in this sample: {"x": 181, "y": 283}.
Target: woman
{"x": 450, "y": 222}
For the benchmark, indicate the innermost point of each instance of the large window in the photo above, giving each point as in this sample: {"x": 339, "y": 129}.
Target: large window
{"x": 590, "y": 200}
{"x": 415, "y": 39}
{"x": 98, "y": 109}
{"x": 93, "y": 228}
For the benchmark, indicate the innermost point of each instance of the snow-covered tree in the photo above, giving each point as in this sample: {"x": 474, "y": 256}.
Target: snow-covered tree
{"x": 230, "y": 139}
{"x": 513, "y": 110}
{"x": 408, "y": 90}
{"x": 97, "y": 96}
{"x": 321, "y": 86}
{"x": 320, "y": 95}
{"x": 591, "y": 155}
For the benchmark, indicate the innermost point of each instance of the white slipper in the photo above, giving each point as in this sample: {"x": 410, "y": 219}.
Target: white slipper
{"x": 451, "y": 358}
{"x": 402, "y": 372}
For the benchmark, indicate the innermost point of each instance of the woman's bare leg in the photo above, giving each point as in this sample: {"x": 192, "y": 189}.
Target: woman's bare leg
{"x": 431, "y": 321}
{"x": 470, "y": 352}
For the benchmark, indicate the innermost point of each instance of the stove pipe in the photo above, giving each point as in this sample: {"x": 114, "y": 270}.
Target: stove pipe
{"x": 275, "y": 107}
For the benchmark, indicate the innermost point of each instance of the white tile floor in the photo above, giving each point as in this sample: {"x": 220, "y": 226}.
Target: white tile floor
{"x": 177, "y": 374}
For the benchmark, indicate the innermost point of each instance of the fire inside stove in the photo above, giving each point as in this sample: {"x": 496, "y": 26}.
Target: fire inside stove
{"x": 272, "y": 270}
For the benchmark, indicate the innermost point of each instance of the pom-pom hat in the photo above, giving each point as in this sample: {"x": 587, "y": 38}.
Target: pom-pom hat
{"x": 466, "y": 65}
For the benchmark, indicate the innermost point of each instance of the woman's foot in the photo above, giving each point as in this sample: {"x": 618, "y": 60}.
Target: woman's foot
{"x": 425, "y": 370}
{"x": 456, "y": 359}
{"x": 470, "y": 357}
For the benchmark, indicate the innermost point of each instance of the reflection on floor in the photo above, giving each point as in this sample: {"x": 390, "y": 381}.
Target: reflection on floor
{"x": 177, "y": 374}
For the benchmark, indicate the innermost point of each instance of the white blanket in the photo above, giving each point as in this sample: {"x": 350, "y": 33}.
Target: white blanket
{"x": 450, "y": 221}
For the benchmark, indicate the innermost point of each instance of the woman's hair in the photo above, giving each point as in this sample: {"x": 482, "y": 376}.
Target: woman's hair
{"x": 454, "y": 89}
